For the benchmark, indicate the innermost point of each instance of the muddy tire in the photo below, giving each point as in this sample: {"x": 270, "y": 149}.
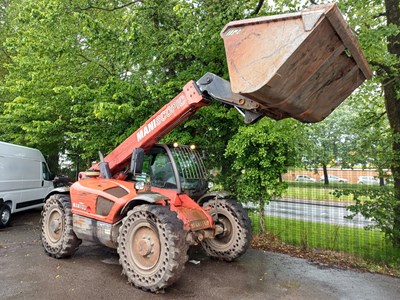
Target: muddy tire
{"x": 152, "y": 247}
{"x": 5, "y": 215}
{"x": 236, "y": 238}
{"x": 58, "y": 237}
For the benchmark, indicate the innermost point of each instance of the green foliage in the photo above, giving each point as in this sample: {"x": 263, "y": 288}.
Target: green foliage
{"x": 261, "y": 154}
{"x": 369, "y": 20}
{"x": 378, "y": 205}
{"x": 357, "y": 133}
{"x": 377, "y": 26}
{"x": 84, "y": 75}
{"x": 62, "y": 78}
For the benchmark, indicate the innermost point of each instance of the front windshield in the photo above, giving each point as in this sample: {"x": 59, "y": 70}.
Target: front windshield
{"x": 190, "y": 168}
{"x": 191, "y": 171}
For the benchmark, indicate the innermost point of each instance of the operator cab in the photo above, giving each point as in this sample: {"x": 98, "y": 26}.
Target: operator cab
{"x": 178, "y": 168}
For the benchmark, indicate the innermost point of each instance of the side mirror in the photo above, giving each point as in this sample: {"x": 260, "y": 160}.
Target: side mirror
{"x": 104, "y": 167}
{"x": 137, "y": 161}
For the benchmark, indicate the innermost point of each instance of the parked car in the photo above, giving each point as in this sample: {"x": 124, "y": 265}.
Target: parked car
{"x": 334, "y": 178}
{"x": 368, "y": 180}
{"x": 305, "y": 178}
{"x": 390, "y": 181}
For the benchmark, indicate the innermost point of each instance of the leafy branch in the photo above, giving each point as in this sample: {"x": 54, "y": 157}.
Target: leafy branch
{"x": 110, "y": 9}
{"x": 99, "y": 64}
{"x": 5, "y": 53}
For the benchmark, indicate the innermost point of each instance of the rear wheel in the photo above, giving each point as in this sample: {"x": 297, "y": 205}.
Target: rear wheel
{"x": 152, "y": 247}
{"x": 5, "y": 215}
{"x": 58, "y": 237}
{"x": 236, "y": 237}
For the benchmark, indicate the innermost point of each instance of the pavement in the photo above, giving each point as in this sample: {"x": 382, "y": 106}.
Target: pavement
{"x": 26, "y": 272}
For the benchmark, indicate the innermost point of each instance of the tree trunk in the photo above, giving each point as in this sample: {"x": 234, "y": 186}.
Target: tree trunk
{"x": 381, "y": 177}
{"x": 325, "y": 170}
{"x": 262, "y": 216}
{"x": 392, "y": 101}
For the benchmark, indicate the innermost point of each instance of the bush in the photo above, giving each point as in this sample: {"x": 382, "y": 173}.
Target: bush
{"x": 379, "y": 205}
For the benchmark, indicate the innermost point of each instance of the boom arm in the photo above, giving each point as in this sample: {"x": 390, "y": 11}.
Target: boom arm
{"x": 193, "y": 96}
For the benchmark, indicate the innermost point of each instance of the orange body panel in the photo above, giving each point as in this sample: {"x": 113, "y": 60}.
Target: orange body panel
{"x": 193, "y": 215}
{"x": 85, "y": 195}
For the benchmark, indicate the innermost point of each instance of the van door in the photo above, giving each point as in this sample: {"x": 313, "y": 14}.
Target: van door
{"x": 31, "y": 185}
{"x": 10, "y": 180}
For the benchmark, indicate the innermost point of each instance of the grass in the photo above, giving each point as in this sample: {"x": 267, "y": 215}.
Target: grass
{"x": 314, "y": 193}
{"x": 321, "y": 192}
{"x": 369, "y": 245}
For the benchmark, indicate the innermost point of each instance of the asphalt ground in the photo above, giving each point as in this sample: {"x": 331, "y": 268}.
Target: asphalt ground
{"x": 26, "y": 272}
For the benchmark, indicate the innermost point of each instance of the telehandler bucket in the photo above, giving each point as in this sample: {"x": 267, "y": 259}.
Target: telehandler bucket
{"x": 300, "y": 65}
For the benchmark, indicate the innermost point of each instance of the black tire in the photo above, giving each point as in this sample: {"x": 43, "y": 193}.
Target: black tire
{"x": 5, "y": 215}
{"x": 236, "y": 238}
{"x": 152, "y": 247}
{"x": 58, "y": 237}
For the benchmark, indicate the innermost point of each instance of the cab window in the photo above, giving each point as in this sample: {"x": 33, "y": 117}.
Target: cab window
{"x": 158, "y": 165}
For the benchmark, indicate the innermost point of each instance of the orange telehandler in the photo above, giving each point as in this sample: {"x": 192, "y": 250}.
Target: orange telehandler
{"x": 151, "y": 201}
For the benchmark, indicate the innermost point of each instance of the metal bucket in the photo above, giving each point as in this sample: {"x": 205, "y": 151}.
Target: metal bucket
{"x": 300, "y": 65}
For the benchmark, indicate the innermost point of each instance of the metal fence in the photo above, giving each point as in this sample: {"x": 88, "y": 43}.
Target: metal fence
{"x": 312, "y": 218}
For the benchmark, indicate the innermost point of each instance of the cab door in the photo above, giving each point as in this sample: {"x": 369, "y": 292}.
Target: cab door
{"x": 158, "y": 164}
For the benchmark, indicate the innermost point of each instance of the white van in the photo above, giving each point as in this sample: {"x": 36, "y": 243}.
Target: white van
{"x": 25, "y": 180}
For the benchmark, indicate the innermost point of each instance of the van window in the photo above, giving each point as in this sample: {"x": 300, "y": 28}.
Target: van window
{"x": 46, "y": 172}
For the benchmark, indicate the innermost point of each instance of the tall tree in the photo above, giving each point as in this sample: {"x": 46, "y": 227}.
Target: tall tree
{"x": 4, "y": 56}
{"x": 85, "y": 74}
{"x": 391, "y": 85}
{"x": 377, "y": 26}
{"x": 261, "y": 154}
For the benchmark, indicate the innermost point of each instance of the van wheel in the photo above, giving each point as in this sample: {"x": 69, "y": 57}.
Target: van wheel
{"x": 5, "y": 215}
{"x": 58, "y": 237}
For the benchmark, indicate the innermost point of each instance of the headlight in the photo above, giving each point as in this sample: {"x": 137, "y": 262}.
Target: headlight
{"x": 139, "y": 185}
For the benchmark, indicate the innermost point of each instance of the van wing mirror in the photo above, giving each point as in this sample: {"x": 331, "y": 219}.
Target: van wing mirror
{"x": 137, "y": 161}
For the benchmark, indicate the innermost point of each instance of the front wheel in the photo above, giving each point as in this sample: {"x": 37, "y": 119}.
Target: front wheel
{"x": 236, "y": 237}
{"x": 58, "y": 237}
{"x": 152, "y": 247}
{"x": 5, "y": 215}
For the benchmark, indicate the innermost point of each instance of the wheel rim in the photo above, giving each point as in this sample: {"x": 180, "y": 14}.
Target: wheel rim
{"x": 55, "y": 225}
{"x": 226, "y": 235}
{"x": 224, "y": 239}
{"x": 145, "y": 247}
{"x": 5, "y": 216}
